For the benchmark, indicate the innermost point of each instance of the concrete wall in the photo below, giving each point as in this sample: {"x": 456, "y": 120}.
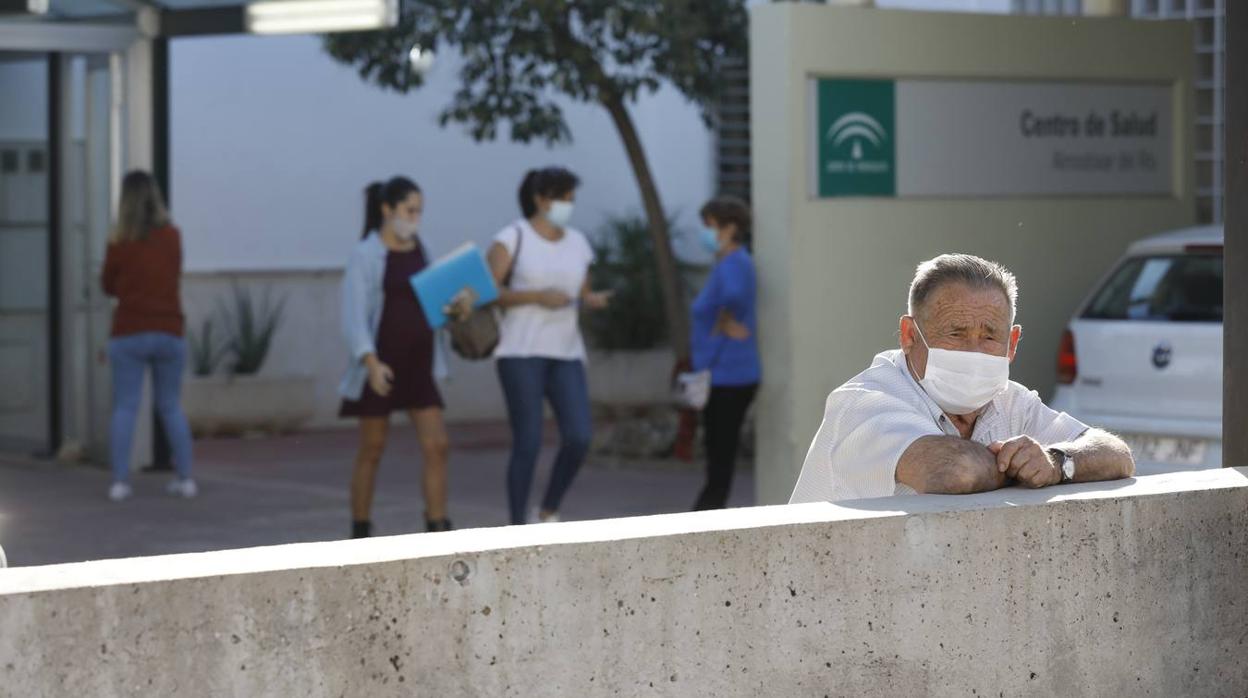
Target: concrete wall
{"x": 309, "y": 343}
{"x": 1131, "y": 588}
{"x": 834, "y": 272}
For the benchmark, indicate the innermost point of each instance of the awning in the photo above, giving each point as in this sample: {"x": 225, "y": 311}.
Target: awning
{"x": 171, "y": 18}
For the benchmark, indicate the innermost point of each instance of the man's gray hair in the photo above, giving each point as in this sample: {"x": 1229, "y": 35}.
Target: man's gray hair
{"x": 976, "y": 272}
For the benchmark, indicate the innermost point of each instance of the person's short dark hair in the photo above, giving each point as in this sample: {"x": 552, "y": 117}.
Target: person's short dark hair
{"x": 723, "y": 210}
{"x": 550, "y": 182}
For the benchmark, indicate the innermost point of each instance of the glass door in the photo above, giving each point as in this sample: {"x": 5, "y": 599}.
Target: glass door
{"x": 91, "y": 175}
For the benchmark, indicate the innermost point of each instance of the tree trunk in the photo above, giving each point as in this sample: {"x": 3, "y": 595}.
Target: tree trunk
{"x": 669, "y": 278}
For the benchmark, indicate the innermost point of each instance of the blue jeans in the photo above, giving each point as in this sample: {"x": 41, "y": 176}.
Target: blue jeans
{"x": 525, "y": 383}
{"x": 130, "y": 356}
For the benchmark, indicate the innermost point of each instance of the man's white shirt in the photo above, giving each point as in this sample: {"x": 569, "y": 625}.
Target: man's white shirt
{"x": 869, "y": 422}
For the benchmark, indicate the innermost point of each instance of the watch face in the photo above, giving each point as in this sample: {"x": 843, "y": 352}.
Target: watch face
{"x": 1068, "y": 468}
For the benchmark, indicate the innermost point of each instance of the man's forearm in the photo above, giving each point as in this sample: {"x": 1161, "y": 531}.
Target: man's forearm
{"x": 1098, "y": 456}
{"x": 949, "y": 465}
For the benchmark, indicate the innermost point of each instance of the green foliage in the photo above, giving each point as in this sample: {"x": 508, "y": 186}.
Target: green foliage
{"x": 519, "y": 54}
{"x": 206, "y": 352}
{"x": 250, "y": 326}
{"x": 624, "y": 263}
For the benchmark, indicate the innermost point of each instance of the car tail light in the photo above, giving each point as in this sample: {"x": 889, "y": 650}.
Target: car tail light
{"x": 1067, "y": 364}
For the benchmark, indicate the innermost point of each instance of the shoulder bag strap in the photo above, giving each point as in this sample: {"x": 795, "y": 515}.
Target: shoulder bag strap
{"x": 515, "y": 256}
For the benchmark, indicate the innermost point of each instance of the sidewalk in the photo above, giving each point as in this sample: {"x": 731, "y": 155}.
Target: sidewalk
{"x": 294, "y": 489}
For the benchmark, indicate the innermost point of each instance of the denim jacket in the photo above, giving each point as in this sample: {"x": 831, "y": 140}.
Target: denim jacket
{"x": 362, "y": 297}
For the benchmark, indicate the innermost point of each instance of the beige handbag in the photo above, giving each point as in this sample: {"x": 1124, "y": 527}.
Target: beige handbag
{"x": 477, "y": 336}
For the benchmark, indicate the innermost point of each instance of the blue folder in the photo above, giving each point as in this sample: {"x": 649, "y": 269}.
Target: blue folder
{"x": 438, "y": 283}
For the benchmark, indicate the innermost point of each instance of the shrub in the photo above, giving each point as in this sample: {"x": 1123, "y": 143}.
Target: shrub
{"x": 250, "y": 326}
{"x": 624, "y": 263}
{"x": 206, "y": 352}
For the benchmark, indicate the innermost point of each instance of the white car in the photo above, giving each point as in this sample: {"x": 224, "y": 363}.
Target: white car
{"x": 1142, "y": 357}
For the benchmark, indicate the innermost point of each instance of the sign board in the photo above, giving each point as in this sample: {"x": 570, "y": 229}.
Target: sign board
{"x": 987, "y": 138}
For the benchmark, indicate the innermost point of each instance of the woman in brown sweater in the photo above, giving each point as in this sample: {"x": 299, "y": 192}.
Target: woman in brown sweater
{"x": 142, "y": 269}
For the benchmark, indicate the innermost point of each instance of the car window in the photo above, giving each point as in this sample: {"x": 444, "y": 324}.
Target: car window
{"x": 1175, "y": 288}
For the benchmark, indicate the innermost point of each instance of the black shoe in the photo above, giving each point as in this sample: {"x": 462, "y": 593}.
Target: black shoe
{"x": 438, "y": 526}
{"x": 361, "y": 529}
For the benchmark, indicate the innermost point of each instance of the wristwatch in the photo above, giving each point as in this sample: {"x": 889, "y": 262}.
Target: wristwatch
{"x": 1063, "y": 461}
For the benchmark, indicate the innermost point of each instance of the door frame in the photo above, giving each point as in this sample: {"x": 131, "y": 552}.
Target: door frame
{"x": 129, "y": 53}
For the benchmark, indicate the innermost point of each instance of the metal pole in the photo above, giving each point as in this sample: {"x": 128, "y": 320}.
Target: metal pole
{"x": 162, "y": 458}
{"x": 1235, "y": 323}
{"x": 56, "y": 140}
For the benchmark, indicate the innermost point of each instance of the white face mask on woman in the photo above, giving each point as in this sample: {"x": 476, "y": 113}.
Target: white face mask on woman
{"x": 962, "y": 382}
{"x": 560, "y": 213}
{"x": 405, "y": 229}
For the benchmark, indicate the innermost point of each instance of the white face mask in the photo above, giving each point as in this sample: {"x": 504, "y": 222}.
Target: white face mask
{"x": 560, "y": 213}
{"x": 962, "y": 382}
{"x": 405, "y": 229}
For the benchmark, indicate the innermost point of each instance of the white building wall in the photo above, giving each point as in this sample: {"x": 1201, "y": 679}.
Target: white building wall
{"x": 983, "y": 6}
{"x": 273, "y": 143}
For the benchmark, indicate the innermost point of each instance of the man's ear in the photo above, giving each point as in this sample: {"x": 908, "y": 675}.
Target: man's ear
{"x": 1016, "y": 336}
{"x": 905, "y": 331}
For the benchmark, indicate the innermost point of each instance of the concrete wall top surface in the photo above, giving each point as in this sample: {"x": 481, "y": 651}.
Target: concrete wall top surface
{"x": 248, "y": 561}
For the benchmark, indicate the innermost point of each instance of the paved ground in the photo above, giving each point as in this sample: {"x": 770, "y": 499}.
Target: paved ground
{"x": 294, "y": 489}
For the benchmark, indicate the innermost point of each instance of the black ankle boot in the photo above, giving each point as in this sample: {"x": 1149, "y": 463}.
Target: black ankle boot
{"x": 361, "y": 529}
{"x": 439, "y": 525}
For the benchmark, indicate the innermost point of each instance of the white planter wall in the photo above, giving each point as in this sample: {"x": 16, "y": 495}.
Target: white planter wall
{"x": 309, "y": 343}
{"x": 220, "y": 404}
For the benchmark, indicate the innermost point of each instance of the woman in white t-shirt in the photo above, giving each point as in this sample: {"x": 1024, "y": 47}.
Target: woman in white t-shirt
{"x": 542, "y": 267}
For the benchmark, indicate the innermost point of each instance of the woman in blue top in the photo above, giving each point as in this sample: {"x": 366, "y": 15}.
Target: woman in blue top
{"x": 724, "y": 326}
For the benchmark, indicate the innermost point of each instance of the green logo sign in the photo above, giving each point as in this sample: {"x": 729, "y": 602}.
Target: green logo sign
{"x": 857, "y": 145}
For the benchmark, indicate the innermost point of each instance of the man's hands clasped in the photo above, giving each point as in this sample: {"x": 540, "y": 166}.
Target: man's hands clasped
{"x": 1025, "y": 461}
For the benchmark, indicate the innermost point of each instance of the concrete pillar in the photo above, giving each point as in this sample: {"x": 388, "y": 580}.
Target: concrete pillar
{"x": 833, "y": 271}
{"x": 139, "y": 152}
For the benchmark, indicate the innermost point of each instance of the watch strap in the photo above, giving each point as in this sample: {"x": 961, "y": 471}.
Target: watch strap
{"x": 1062, "y": 459}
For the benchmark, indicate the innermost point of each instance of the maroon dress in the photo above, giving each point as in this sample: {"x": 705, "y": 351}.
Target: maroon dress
{"x": 404, "y": 343}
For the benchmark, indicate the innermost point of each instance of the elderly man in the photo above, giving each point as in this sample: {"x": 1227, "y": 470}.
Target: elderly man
{"x": 941, "y": 415}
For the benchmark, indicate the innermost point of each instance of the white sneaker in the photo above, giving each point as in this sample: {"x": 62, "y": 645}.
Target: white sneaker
{"x": 119, "y": 491}
{"x": 182, "y": 487}
{"x": 535, "y": 516}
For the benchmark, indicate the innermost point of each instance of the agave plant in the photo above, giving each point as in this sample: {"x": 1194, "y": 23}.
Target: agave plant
{"x": 250, "y": 326}
{"x": 206, "y": 351}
